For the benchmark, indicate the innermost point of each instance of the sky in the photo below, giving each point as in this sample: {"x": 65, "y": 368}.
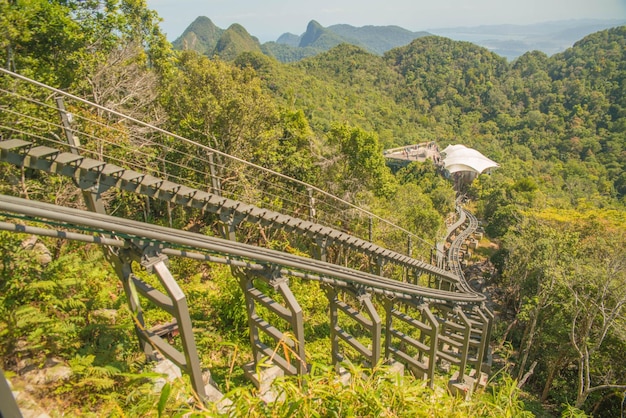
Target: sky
{"x": 268, "y": 19}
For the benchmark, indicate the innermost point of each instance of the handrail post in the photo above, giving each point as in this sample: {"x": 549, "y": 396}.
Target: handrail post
{"x": 312, "y": 211}
{"x": 67, "y": 130}
{"x": 216, "y": 187}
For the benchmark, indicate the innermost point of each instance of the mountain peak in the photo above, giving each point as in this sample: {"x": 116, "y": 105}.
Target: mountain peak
{"x": 314, "y": 31}
{"x": 204, "y": 37}
{"x": 236, "y": 40}
{"x": 202, "y": 20}
{"x": 201, "y": 36}
{"x": 289, "y": 39}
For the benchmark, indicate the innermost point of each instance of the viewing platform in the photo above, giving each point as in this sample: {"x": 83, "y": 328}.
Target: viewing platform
{"x": 403, "y": 156}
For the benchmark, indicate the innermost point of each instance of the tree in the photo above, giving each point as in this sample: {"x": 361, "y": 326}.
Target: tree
{"x": 568, "y": 279}
{"x": 426, "y": 177}
{"x": 360, "y": 161}
{"x": 294, "y": 147}
{"x": 219, "y": 105}
{"x": 598, "y": 308}
{"x": 539, "y": 257}
{"x": 41, "y": 39}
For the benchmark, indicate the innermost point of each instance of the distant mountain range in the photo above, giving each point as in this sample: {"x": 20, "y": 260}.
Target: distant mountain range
{"x": 509, "y": 41}
{"x": 203, "y": 36}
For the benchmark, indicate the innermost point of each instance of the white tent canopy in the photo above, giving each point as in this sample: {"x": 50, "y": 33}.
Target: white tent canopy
{"x": 460, "y": 158}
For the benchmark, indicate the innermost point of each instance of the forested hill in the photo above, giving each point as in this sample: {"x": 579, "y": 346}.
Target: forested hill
{"x": 552, "y": 117}
{"x": 557, "y": 204}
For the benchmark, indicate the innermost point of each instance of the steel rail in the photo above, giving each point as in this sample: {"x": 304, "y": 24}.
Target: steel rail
{"x": 122, "y": 242}
{"x": 455, "y": 247}
{"x": 114, "y": 225}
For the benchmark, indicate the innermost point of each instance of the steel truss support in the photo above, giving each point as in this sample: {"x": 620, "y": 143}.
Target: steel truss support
{"x": 484, "y": 318}
{"x": 376, "y": 265}
{"x": 322, "y": 248}
{"x": 174, "y": 303}
{"x": 288, "y": 353}
{"x": 478, "y": 343}
{"x": 123, "y": 267}
{"x": 230, "y": 221}
{"x": 454, "y": 338}
{"x": 293, "y": 359}
{"x": 412, "y": 337}
{"x": 371, "y": 324}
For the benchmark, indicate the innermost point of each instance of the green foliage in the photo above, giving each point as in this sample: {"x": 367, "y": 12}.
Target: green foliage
{"x": 412, "y": 209}
{"x": 374, "y": 393}
{"x": 287, "y": 53}
{"x": 33, "y": 299}
{"x": 558, "y": 276}
{"x": 361, "y": 163}
{"x": 42, "y": 38}
{"x": 61, "y": 42}
{"x": 165, "y": 393}
{"x": 228, "y": 301}
{"x": 425, "y": 176}
{"x": 218, "y": 105}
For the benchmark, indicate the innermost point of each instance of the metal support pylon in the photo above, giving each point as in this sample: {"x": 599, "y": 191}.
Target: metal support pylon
{"x": 8, "y": 404}
{"x": 414, "y": 342}
{"x": 365, "y": 315}
{"x": 292, "y": 358}
{"x": 175, "y": 304}
{"x": 120, "y": 264}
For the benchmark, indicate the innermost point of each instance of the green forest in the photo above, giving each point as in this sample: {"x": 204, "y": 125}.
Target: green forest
{"x": 554, "y": 212}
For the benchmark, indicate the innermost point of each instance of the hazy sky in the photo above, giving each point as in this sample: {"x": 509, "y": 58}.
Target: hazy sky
{"x": 268, "y": 19}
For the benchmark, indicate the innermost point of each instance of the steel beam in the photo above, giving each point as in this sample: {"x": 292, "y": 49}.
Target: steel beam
{"x": 412, "y": 333}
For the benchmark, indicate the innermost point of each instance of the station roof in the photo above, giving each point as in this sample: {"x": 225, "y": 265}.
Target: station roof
{"x": 460, "y": 158}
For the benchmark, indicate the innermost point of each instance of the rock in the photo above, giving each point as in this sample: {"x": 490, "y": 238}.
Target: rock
{"x": 169, "y": 369}
{"x": 54, "y": 370}
{"x": 41, "y": 252}
{"x": 105, "y": 315}
{"x": 29, "y": 243}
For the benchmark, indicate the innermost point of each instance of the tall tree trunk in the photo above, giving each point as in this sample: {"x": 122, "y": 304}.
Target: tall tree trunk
{"x": 553, "y": 368}
{"x": 508, "y": 329}
{"x": 529, "y": 342}
{"x": 583, "y": 379}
